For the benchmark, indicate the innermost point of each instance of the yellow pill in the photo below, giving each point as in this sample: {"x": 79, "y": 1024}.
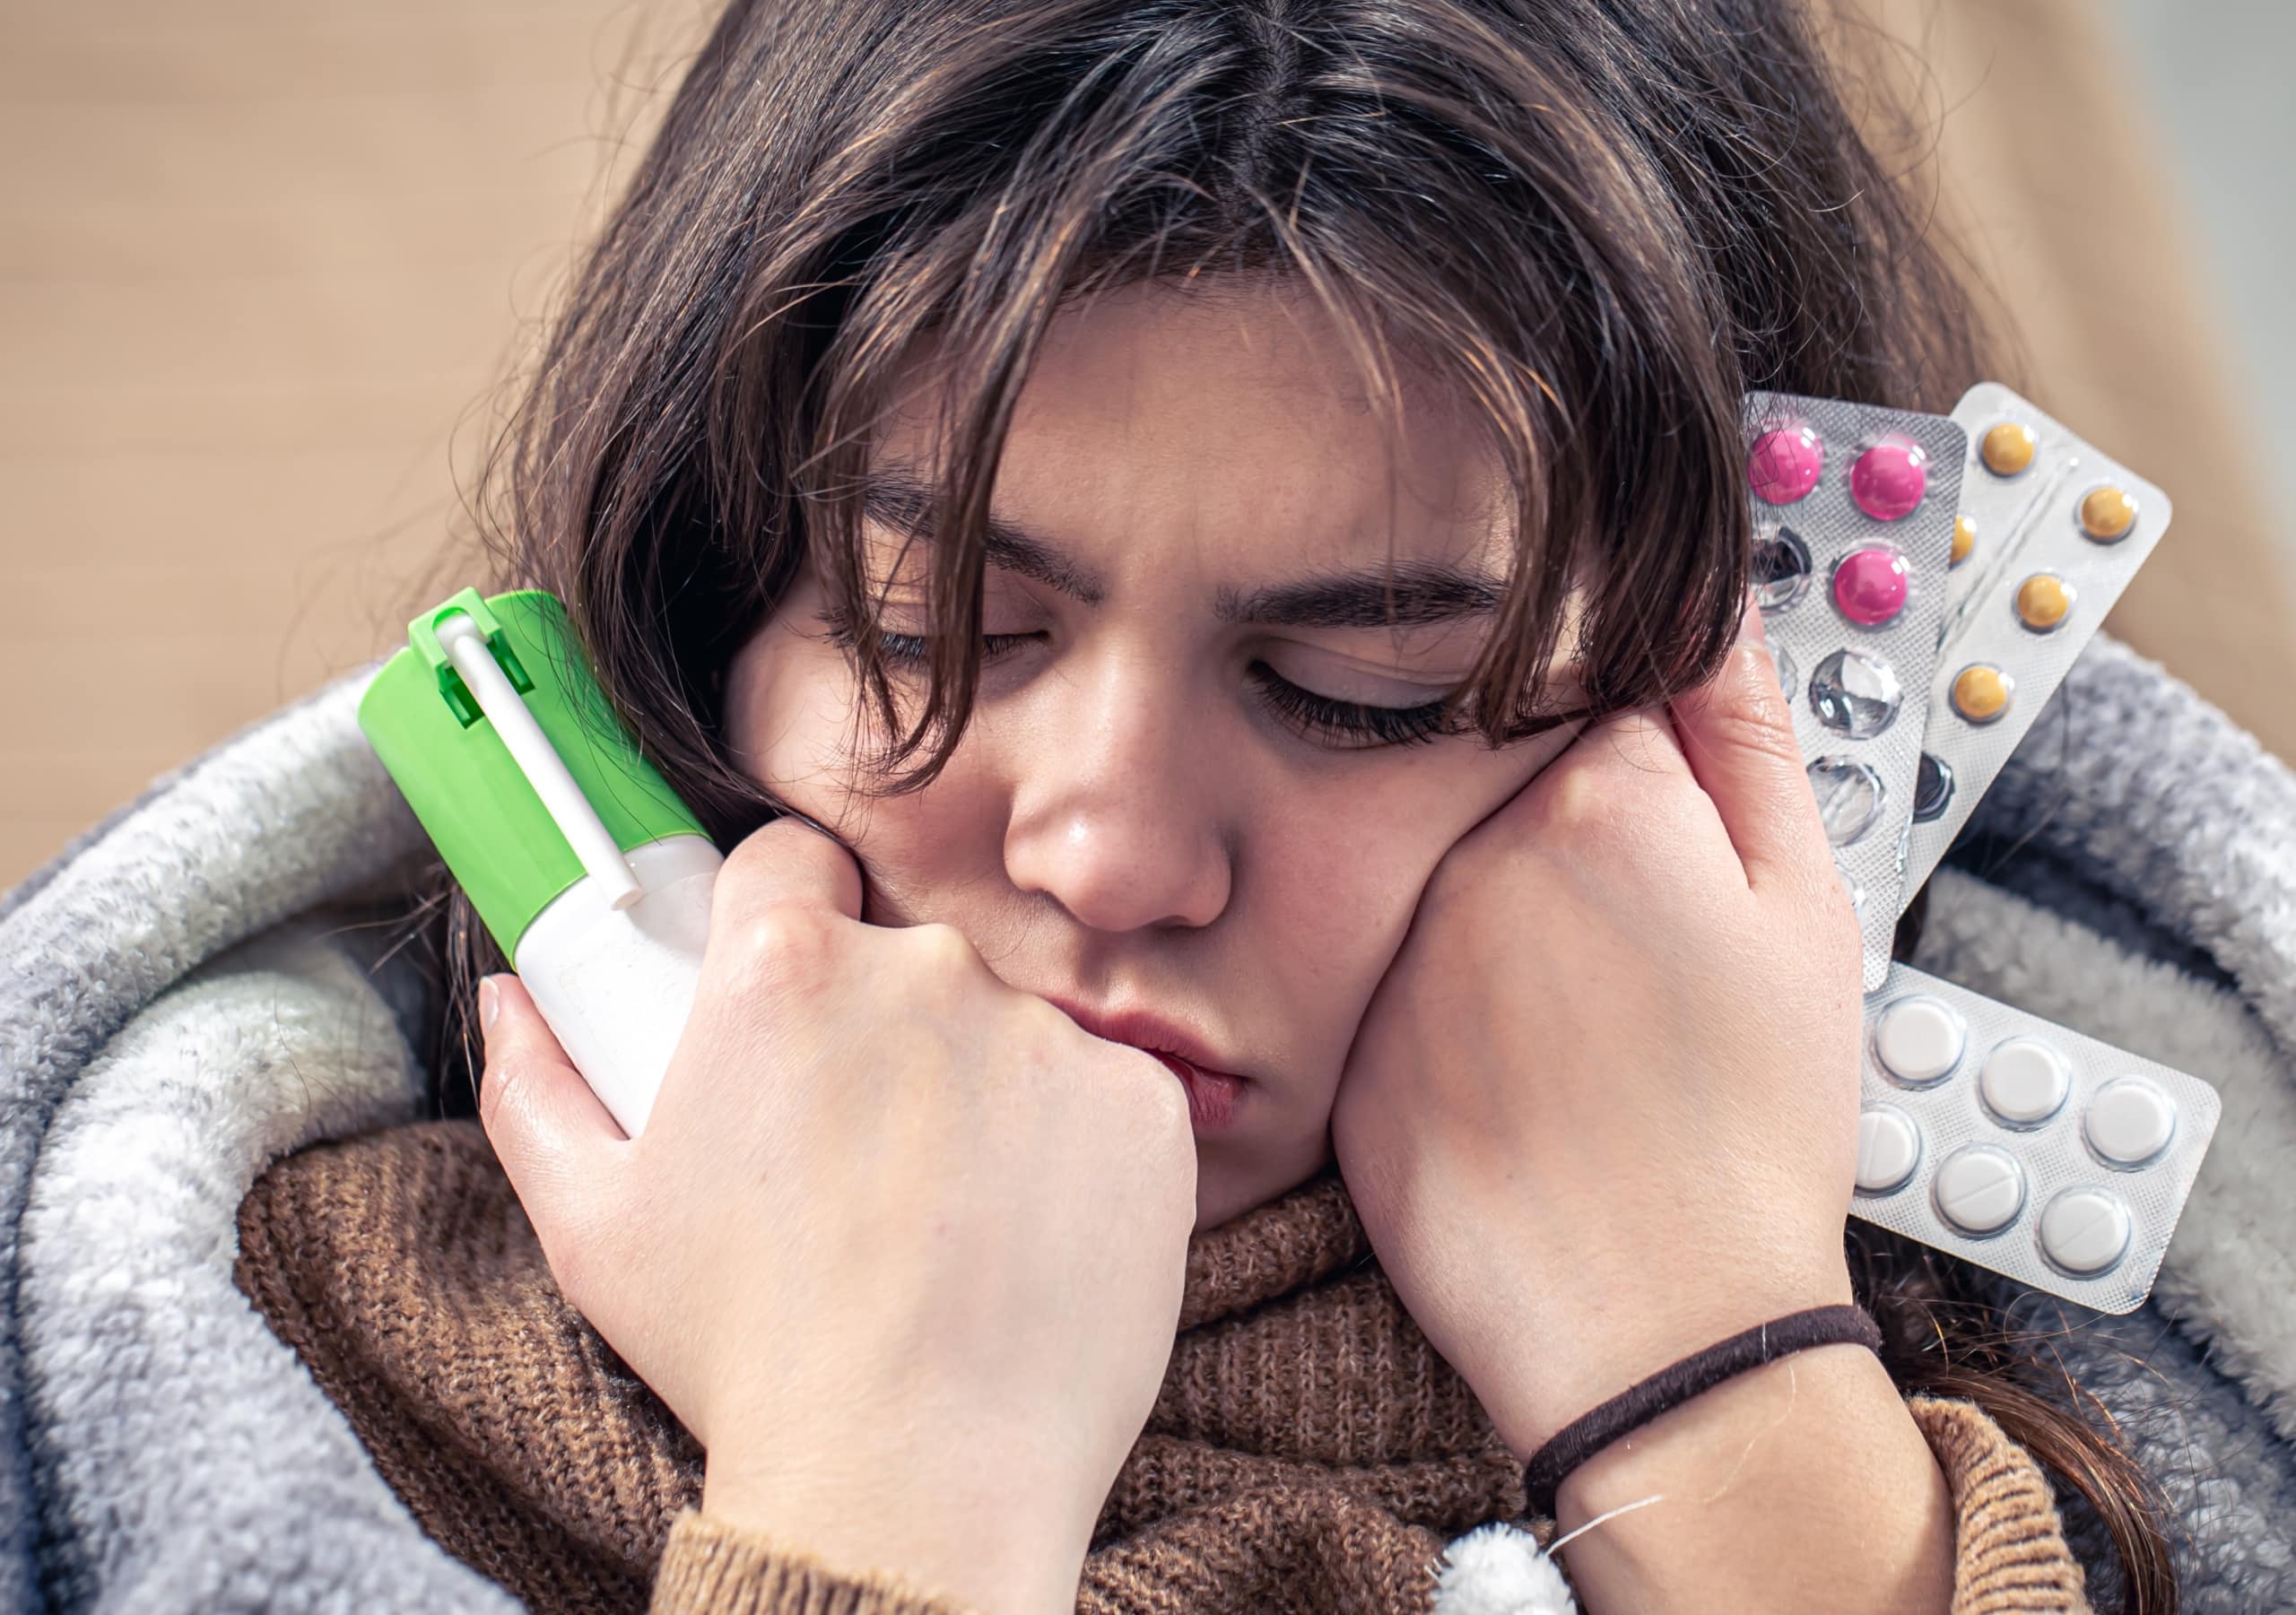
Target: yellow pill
{"x": 2008, "y": 448}
{"x": 1964, "y": 539}
{"x": 2044, "y": 600}
{"x": 2107, "y": 513}
{"x": 1981, "y": 692}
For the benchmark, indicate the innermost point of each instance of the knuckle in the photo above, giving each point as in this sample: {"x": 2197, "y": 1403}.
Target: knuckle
{"x": 764, "y": 861}
{"x": 1163, "y": 1102}
{"x": 575, "y": 1267}
{"x": 1577, "y": 800}
{"x": 786, "y": 930}
{"x": 943, "y": 949}
{"x": 1753, "y": 704}
{"x": 780, "y": 944}
{"x": 759, "y": 853}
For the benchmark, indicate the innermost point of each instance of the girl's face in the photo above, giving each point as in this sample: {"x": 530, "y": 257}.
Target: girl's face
{"x": 1184, "y": 810}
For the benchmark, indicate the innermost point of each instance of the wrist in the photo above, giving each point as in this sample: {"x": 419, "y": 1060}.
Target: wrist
{"x": 1610, "y": 1350}
{"x": 1802, "y": 1484}
{"x": 983, "y": 1548}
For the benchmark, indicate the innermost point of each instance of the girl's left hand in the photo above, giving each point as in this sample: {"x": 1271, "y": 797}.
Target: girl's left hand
{"x": 1601, "y": 1111}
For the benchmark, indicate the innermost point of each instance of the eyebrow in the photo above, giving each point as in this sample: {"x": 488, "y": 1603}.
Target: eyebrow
{"x": 1408, "y": 594}
{"x": 908, "y": 506}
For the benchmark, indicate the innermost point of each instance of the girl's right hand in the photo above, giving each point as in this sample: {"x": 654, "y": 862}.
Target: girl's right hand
{"x": 901, "y": 1244}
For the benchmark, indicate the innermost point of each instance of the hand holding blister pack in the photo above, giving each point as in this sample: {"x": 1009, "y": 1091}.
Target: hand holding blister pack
{"x": 1854, "y": 509}
{"x": 2050, "y": 532}
{"x": 1985, "y": 1132}
{"x": 590, "y": 873}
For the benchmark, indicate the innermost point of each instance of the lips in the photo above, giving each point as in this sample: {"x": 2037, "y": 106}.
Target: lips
{"x": 1212, "y": 1093}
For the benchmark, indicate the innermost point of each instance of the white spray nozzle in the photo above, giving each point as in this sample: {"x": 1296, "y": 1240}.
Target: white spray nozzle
{"x": 539, "y": 761}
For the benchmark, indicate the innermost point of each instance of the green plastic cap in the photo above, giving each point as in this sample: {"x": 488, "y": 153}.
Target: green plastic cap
{"x": 487, "y": 822}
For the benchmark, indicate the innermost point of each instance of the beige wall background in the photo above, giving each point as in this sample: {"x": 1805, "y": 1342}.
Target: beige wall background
{"x": 262, "y": 263}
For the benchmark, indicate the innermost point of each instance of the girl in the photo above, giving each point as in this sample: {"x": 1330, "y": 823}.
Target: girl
{"x": 1210, "y": 535}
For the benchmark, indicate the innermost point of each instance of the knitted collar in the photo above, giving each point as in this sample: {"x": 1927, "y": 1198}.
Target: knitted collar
{"x": 1310, "y": 1449}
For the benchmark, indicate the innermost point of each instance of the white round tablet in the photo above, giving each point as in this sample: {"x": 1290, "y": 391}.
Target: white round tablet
{"x": 1918, "y": 1040}
{"x": 2085, "y": 1230}
{"x": 1889, "y": 1148}
{"x": 1980, "y": 1189}
{"x": 2024, "y": 1081}
{"x": 2130, "y": 1121}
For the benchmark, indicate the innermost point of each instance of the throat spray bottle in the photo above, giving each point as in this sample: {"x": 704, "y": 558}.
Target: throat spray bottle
{"x": 590, "y": 873}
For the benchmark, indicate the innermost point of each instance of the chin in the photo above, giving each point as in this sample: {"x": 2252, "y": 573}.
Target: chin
{"x": 1233, "y": 1179}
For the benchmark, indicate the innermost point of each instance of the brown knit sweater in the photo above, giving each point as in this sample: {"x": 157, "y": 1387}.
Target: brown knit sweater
{"x": 1309, "y": 1451}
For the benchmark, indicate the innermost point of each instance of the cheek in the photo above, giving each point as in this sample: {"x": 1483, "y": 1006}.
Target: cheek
{"x": 1344, "y": 865}
{"x": 790, "y": 709}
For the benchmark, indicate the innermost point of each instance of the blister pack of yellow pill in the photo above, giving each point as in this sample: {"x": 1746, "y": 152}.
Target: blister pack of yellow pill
{"x": 2050, "y": 532}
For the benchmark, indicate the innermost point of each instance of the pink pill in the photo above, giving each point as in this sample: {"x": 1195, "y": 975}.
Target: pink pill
{"x": 1888, "y": 479}
{"x": 1869, "y": 586}
{"x": 1785, "y": 464}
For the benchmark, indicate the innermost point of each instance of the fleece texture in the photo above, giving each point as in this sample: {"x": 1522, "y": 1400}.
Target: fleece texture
{"x": 182, "y": 1001}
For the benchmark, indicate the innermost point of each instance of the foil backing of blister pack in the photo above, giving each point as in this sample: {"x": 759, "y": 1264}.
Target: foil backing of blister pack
{"x": 2031, "y": 591}
{"x": 2063, "y": 1201}
{"x": 1853, "y": 518}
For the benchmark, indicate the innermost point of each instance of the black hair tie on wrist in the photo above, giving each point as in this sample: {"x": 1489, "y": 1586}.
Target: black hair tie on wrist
{"x": 1670, "y": 1387}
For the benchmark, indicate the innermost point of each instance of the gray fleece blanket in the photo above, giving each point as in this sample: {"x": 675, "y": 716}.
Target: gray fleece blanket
{"x": 184, "y": 997}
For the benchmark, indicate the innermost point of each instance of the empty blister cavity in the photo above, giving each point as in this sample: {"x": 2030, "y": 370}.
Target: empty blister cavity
{"x": 2024, "y": 1081}
{"x": 1982, "y": 693}
{"x": 1783, "y": 660}
{"x": 1888, "y": 1148}
{"x": 2129, "y": 1122}
{"x": 1849, "y": 797}
{"x": 1933, "y": 788}
{"x": 1855, "y": 694}
{"x": 1979, "y": 1189}
{"x": 1889, "y": 478}
{"x": 1785, "y": 462}
{"x": 1919, "y": 1039}
{"x": 2044, "y": 601}
{"x": 2085, "y": 1231}
{"x": 1870, "y": 586}
{"x": 1782, "y": 569}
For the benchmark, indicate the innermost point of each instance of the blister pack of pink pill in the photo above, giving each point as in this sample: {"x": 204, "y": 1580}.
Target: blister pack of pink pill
{"x": 2022, "y": 1146}
{"x": 1854, "y": 508}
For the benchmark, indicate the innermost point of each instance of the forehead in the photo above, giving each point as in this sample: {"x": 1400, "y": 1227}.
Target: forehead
{"x": 1230, "y": 422}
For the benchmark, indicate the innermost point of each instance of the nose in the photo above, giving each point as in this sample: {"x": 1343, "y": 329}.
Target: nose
{"x": 1118, "y": 820}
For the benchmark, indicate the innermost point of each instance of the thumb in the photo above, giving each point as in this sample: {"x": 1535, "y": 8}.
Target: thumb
{"x": 1737, "y": 734}
{"x": 552, "y": 1136}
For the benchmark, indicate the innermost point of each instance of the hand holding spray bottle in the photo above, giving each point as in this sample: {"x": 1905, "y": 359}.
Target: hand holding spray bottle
{"x": 591, "y": 875}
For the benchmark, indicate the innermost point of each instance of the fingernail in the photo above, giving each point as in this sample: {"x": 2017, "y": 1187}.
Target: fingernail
{"x": 489, "y": 1004}
{"x": 1749, "y": 623}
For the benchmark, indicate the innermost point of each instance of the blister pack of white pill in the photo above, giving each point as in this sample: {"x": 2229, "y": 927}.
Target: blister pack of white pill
{"x": 1854, "y": 508}
{"x": 2049, "y": 533}
{"x": 2023, "y": 1146}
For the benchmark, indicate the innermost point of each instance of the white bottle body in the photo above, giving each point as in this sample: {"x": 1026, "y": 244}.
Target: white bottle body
{"x": 616, "y": 987}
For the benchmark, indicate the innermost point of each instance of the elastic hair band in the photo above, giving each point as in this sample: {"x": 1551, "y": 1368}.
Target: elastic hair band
{"x": 1671, "y": 1387}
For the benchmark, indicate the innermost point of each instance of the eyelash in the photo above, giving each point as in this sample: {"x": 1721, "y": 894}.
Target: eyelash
{"x": 1344, "y": 725}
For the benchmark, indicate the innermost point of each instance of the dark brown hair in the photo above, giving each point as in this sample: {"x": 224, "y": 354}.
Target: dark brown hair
{"x": 1598, "y": 221}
